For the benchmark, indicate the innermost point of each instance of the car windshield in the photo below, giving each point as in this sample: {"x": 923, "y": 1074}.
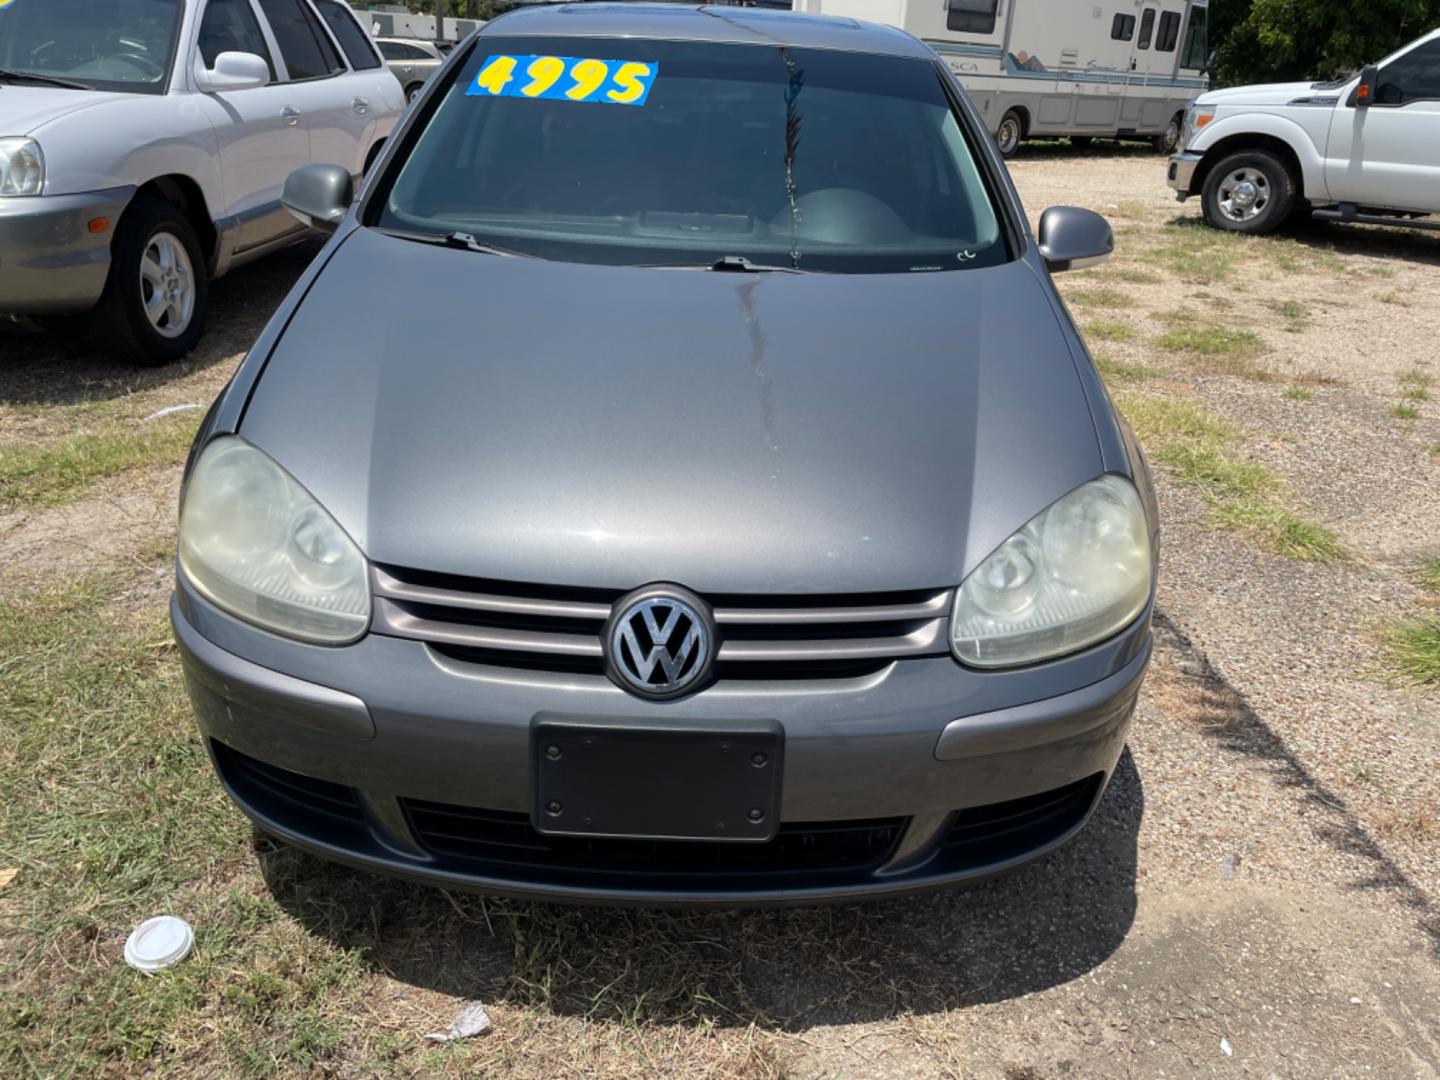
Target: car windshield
{"x": 636, "y": 151}
{"x": 105, "y": 44}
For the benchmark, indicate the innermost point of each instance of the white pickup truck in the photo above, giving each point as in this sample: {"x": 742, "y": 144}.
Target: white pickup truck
{"x": 1363, "y": 149}
{"x": 144, "y": 145}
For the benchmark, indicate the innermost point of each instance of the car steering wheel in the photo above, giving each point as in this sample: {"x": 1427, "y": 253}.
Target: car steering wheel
{"x": 141, "y": 61}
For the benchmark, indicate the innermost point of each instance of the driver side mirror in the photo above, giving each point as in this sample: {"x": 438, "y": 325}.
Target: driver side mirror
{"x": 1072, "y": 238}
{"x": 232, "y": 71}
{"x": 1365, "y": 91}
{"x": 319, "y": 195}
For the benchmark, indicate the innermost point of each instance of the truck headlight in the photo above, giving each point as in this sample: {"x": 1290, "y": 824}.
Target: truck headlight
{"x": 1196, "y": 117}
{"x": 22, "y": 167}
{"x": 258, "y": 545}
{"x": 1077, "y": 573}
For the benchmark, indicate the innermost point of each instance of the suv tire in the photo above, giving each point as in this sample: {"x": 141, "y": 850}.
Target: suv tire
{"x": 1252, "y": 191}
{"x": 153, "y": 309}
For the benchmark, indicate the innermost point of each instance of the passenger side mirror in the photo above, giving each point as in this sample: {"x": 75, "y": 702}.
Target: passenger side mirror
{"x": 319, "y": 195}
{"x": 1072, "y": 238}
{"x": 232, "y": 71}
{"x": 1365, "y": 91}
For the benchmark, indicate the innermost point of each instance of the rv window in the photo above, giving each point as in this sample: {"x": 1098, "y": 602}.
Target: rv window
{"x": 1147, "y": 25}
{"x": 1169, "y": 31}
{"x": 1196, "y": 47}
{"x": 974, "y": 16}
{"x": 1122, "y": 28}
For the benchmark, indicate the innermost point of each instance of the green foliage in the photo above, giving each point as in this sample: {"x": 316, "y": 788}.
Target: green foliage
{"x": 1282, "y": 40}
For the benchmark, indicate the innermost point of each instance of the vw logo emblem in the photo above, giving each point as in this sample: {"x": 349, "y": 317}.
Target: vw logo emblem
{"x": 659, "y": 644}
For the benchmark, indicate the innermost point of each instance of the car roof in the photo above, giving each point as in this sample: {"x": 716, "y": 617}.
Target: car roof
{"x": 722, "y": 25}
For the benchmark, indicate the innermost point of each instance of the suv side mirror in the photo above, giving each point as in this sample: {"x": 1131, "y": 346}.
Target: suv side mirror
{"x": 1072, "y": 238}
{"x": 319, "y": 195}
{"x": 232, "y": 71}
{"x": 1365, "y": 90}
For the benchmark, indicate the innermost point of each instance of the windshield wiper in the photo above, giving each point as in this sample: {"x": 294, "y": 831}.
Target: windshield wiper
{"x": 44, "y": 80}
{"x": 738, "y": 264}
{"x": 462, "y": 240}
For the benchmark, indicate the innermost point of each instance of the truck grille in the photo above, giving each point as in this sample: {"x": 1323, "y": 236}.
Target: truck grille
{"x": 547, "y": 628}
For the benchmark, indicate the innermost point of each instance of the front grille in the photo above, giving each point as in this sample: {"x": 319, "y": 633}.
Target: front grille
{"x": 988, "y": 834}
{"x": 545, "y": 628}
{"x": 500, "y": 839}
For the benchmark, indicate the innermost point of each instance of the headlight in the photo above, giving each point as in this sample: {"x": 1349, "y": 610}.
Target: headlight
{"x": 1076, "y": 574}
{"x": 255, "y": 543}
{"x": 1196, "y": 117}
{"x": 22, "y": 167}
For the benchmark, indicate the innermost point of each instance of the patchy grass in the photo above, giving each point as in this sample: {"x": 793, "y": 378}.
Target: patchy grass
{"x": 1208, "y": 341}
{"x": 1403, "y": 410}
{"x": 1294, "y": 313}
{"x": 1197, "y": 448}
{"x": 1299, "y": 393}
{"x": 56, "y": 472}
{"x": 1430, "y": 574}
{"x": 1414, "y": 651}
{"x": 1131, "y": 275}
{"x": 1119, "y": 371}
{"x": 1392, "y": 296}
{"x": 1103, "y": 297}
{"x": 1110, "y": 330}
{"x": 1415, "y": 821}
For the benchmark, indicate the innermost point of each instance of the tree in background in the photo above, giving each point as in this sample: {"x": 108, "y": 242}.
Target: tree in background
{"x": 462, "y": 9}
{"x": 1284, "y": 40}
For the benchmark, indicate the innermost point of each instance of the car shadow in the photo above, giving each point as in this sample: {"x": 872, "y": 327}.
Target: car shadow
{"x": 64, "y": 364}
{"x": 1063, "y": 149}
{"x": 784, "y": 969}
{"x": 1407, "y": 245}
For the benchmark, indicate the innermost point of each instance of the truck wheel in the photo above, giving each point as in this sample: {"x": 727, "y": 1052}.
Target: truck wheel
{"x": 1009, "y": 133}
{"x": 153, "y": 309}
{"x": 1249, "y": 192}
{"x": 1168, "y": 141}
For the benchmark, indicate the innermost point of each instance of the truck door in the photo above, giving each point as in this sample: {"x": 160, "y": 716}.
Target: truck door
{"x": 1388, "y": 155}
{"x": 1152, "y": 66}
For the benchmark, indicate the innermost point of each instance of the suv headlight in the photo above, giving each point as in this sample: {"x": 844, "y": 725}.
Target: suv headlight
{"x": 1196, "y": 117}
{"x": 255, "y": 543}
{"x": 1076, "y": 574}
{"x": 22, "y": 167}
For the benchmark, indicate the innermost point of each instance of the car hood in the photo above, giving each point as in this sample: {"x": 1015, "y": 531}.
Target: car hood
{"x": 558, "y": 423}
{"x": 1260, "y": 94}
{"x": 26, "y": 109}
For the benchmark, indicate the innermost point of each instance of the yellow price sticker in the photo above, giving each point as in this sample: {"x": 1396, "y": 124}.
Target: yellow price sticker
{"x": 564, "y": 78}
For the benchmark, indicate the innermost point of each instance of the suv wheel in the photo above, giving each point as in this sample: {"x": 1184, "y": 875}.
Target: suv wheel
{"x": 1249, "y": 192}
{"x": 153, "y": 308}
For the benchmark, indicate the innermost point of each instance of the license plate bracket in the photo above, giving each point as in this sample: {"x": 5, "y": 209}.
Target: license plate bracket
{"x": 640, "y": 781}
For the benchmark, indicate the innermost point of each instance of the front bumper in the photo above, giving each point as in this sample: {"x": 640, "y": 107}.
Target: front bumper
{"x": 1181, "y": 173}
{"x": 420, "y": 769}
{"x": 50, "y": 261}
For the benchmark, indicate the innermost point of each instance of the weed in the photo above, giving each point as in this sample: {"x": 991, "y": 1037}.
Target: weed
{"x": 1102, "y": 297}
{"x": 1430, "y": 574}
{"x": 1120, "y": 371}
{"x": 1110, "y": 330}
{"x": 1403, "y": 410}
{"x": 1195, "y": 447}
{"x": 1414, "y": 651}
{"x": 1299, "y": 393}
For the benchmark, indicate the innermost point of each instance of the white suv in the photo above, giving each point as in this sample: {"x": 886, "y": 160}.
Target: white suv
{"x": 144, "y": 145}
{"x": 1366, "y": 148}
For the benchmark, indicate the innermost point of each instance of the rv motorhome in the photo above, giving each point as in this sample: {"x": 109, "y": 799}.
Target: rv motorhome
{"x": 1121, "y": 68}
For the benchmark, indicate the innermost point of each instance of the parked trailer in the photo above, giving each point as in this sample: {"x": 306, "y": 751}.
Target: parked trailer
{"x": 1060, "y": 67}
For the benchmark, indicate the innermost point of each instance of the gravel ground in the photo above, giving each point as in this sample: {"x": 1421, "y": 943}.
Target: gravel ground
{"x": 1258, "y": 892}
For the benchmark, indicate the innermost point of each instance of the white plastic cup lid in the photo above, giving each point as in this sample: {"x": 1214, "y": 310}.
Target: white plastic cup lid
{"x": 159, "y": 943}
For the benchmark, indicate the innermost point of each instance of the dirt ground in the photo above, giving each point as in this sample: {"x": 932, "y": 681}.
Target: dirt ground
{"x": 1258, "y": 894}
